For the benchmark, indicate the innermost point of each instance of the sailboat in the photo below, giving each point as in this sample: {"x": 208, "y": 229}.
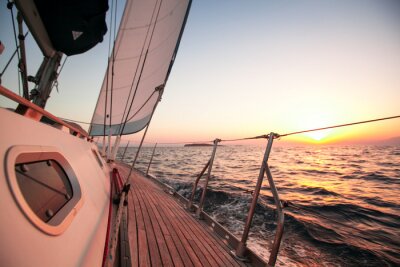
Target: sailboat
{"x": 64, "y": 202}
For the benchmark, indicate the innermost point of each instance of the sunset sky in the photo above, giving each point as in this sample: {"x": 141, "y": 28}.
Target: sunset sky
{"x": 247, "y": 68}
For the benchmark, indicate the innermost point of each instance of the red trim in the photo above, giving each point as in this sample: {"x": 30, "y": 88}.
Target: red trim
{"x": 109, "y": 223}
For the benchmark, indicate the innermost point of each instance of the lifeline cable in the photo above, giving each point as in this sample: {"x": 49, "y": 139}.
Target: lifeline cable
{"x": 264, "y": 136}
{"x": 337, "y": 126}
{"x": 260, "y": 136}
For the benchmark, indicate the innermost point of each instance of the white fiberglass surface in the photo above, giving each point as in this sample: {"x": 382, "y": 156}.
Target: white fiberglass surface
{"x": 87, "y": 230}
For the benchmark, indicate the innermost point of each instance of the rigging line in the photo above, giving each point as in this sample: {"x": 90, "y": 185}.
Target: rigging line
{"x": 55, "y": 83}
{"x": 183, "y": 143}
{"x": 167, "y": 14}
{"x": 62, "y": 66}
{"x": 283, "y": 135}
{"x": 105, "y": 102}
{"x": 12, "y": 57}
{"x": 124, "y": 115}
{"x": 247, "y": 138}
{"x": 147, "y": 100}
{"x": 113, "y": 63}
{"x": 108, "y": 73}
{"x": 143, "y": 64}
{"x": 10, "y": 6}
{"x": 340, "y": 125}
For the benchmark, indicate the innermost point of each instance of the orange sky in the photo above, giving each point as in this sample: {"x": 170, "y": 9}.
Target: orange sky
{"x": 244, "y": 70}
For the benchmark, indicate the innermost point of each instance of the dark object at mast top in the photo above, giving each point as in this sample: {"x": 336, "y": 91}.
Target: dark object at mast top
{"x": 74, "y": 26}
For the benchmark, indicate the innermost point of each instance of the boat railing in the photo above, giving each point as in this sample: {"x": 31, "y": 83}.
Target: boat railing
{"x": 196, "y": 182}
{"x": 241, "y": 247}
{"x": 151, "y": 159}
{"x": 210, "y": 165}
{"x": 32, "y": 111}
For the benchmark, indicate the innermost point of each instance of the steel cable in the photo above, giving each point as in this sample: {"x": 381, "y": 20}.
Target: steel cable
{"x": 338, "y": 126}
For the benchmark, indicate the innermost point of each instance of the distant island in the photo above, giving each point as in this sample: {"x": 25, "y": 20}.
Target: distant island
{"x": 198, "y": 145}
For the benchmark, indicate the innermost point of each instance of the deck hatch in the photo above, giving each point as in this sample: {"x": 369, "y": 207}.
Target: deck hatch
{"x": 44, "y": 186}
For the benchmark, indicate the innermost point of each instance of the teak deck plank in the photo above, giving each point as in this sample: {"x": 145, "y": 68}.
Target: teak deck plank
{"x": 132, "y": 233}
{"x": 199, "y": 241}
{"x": 211, "y": 245}
{"x": 162, "y": 233}
{"x": 164, "y": 253}
{"x": 178, "y": 252}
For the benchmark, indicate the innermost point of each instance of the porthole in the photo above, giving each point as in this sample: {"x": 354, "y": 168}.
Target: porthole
{"x": 44, "y": 186}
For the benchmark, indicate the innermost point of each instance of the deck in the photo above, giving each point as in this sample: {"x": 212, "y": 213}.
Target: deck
{"x": 162, "y": 233}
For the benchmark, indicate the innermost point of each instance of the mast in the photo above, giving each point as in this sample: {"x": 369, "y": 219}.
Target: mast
{"x": 45, "y": 78}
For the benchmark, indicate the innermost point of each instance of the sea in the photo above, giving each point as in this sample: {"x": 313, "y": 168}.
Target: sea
{"x": 344, "y": 201}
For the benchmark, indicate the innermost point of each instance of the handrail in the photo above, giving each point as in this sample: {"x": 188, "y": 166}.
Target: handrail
{"x": 280, "y": 219}
{"x": 241, "y": 248}
{"x": 151, "y": 159}
{"x": 190, "y": 204}
{"x": 38, "y": 110}
{"x": 203, "y": 194}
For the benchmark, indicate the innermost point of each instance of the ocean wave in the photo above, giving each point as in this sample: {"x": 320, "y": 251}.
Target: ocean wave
{"x": 318, "y": 191}
{"x": 380, "y": 178}
{"x": 355, "y": 222}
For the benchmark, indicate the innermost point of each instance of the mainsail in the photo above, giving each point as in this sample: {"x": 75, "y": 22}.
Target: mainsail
{"x": 139, "y": 66}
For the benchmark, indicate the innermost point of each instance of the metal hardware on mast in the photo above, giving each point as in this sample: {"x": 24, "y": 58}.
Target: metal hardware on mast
{"x": 151, "y": 159}
{"x": 45, "y": 77}
{"x": 241, "y": 248}
{"x": 203, "y": 195}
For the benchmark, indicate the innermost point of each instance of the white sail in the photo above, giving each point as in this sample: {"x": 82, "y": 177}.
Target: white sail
{"x": 144, "y": 52}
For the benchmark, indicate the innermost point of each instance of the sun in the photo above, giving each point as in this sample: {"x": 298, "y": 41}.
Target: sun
{"x": 319, "y": 135}
{"x": 317, "y": 119}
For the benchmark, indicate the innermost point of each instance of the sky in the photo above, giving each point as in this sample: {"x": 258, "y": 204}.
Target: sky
{"x": 247, "y": 68}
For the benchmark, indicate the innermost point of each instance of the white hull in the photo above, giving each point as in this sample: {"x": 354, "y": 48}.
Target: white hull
{"x": 82, "y": 241}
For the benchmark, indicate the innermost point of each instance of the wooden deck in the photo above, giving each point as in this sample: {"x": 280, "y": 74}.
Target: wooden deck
{"x": 162, "y": 233}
